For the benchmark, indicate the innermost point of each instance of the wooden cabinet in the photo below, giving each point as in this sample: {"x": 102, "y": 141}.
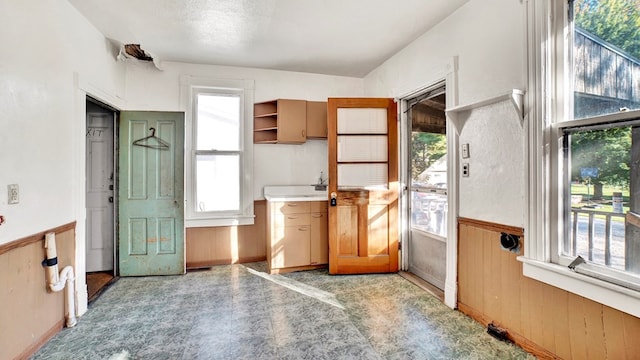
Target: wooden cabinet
{"x": 319, "y": 233}
{"x": 280, "y": 121}
{"x": 286, "y": 121}
{"x": 316, "y": 119}
{"x": 297, "y": 232}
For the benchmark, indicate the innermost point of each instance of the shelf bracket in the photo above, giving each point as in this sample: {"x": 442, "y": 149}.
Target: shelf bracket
{"x": 517, "y": 99}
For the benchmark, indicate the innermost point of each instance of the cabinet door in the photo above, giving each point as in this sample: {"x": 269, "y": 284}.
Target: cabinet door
{"x": 317, "y": 119}
{"x": 292, "y": 247}
{"x": 292, "y": 121}
{"x": 319, "y": 238}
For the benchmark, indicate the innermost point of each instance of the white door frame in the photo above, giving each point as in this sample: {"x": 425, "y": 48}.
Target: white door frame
{"x": 83, "y": 88}
{"x": 449, "y": 76}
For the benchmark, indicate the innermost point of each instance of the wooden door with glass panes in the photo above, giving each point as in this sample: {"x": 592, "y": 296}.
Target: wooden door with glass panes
{"x": 363, "y": 185}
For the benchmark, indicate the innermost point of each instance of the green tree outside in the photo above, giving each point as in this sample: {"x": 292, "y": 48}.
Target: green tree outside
{"x": 615, "y": 21}
{"x": 425, "y": 149}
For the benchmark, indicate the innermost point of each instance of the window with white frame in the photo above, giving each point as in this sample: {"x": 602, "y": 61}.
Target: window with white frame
{"x": 220, "y": 162}
{"x": 584, "y": 148}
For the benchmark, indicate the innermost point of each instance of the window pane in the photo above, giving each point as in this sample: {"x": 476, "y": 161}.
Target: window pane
{"x": 362, "y": 176}
{"x": 606, "y": 57}
{"x": 362, "y": 121}
{"x": 218, "y": 123}
{"x": 429, "y": 182}
{"x": 218, "y": 183}
{"x": 362, "y": 148}
{"x": 600, "y": 202}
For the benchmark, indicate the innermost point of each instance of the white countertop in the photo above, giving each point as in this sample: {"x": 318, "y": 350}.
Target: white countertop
{"x": 294, "y": 193}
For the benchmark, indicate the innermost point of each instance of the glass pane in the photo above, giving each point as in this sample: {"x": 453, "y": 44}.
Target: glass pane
{"x": 600, "y": 181}
{"x": 218, "y": 123}
{"x": 429, "y": 182}
{"x": 353, "y": 148}
{"x": 606, "y": 57}
{"x": 362, "y": 176}
{"x": 362, "y": 121}
{"x": 218, "y": 183}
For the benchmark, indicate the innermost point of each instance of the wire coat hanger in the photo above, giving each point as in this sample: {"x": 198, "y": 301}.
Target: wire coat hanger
{"x": 152, "y": 141}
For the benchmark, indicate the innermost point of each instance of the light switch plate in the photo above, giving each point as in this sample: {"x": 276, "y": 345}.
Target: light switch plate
{"x": 13, "y": 194}
{"x": 465, "y": 151}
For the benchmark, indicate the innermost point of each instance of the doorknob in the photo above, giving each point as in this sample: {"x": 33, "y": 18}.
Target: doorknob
{"x": 110, "y": 199}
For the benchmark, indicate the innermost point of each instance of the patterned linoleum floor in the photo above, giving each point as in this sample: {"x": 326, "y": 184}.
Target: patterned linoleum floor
{"x": 239, "y": 312}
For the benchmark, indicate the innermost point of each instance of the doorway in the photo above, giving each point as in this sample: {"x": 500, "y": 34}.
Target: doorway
{"x": 100, "y": 196}
{"x": 427, "y": 186}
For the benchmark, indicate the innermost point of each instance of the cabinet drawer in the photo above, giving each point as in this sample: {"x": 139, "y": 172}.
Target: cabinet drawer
{"x": 292, "y": 220}
{"x": 291, "y": 207}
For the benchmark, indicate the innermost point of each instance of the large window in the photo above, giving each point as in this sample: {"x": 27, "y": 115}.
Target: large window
{"x": 584, "y": 153}
{"x": 598, "y": 178}
{"x": 220, "y": 155}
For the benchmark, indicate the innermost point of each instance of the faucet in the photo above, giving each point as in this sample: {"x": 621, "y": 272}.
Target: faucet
{"x": 321, "y": 185}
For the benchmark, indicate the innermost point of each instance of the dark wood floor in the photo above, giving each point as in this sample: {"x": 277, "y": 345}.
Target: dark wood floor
{"x": 98, "y": 281}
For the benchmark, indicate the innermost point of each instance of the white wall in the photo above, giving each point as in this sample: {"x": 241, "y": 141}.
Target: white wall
{"x": 47, "y": 47}
{"x": 487, "y": 37}
{"x": 148, "y": 88}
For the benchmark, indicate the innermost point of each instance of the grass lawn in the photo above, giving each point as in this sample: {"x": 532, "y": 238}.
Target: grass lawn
{"x": 607, "y": 193}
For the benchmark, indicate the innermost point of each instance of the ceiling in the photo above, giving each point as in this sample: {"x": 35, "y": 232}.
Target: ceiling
{"x": 336, "y": 37}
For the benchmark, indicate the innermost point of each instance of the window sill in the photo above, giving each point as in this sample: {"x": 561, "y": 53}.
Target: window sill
{"x": 614, "y": 296}
{"x": 211, "y": 222}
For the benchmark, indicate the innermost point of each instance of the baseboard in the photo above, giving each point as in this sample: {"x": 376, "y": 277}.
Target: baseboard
{"x": 28, "y": 352}
{"x": 529, "y": 346}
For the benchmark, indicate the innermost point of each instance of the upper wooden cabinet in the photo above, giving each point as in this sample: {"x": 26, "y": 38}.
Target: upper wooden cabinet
{"x": 316, "y": 119}
{"x": 280, "y": 121}
{"x": 285, "y": 121}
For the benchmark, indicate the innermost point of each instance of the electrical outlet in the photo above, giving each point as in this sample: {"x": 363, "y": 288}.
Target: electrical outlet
{"x": 13, "y": 194}
{"x": 465, "y": 151}
{"x": 465, "y": 169}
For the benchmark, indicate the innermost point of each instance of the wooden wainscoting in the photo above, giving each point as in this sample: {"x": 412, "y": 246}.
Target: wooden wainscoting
{"x": 29, "y": 314}
{"x": 208, "y": 246}
{"x": 544, "y": 320}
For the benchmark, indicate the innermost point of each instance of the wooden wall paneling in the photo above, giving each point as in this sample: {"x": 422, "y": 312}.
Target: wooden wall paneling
{"x": 546, "y": 321}
{"x": 594, "y": 330}
{"x": 491, "y": 276}
{"x": 252, "y": 240}
{"x": 577, "y": 337}
{"x": 631, "y": 330}
{"x": 464, "y": 283}
{"x": 199, "y": 248}
{"x": 510, "y": 281}
{"x": 613, "y": 326}
{"x": 536, "y": 311}
{"x": 475, "y": 277}
{"x": 208, "y": 246}
{"x": 30, "y": 314}
{"x": 560, "y": 319}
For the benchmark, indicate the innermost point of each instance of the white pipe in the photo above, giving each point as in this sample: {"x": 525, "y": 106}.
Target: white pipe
{"x": 57, "y": 282}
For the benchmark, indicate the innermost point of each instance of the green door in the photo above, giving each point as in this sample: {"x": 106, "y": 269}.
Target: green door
{"x": 151, "y": 217}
